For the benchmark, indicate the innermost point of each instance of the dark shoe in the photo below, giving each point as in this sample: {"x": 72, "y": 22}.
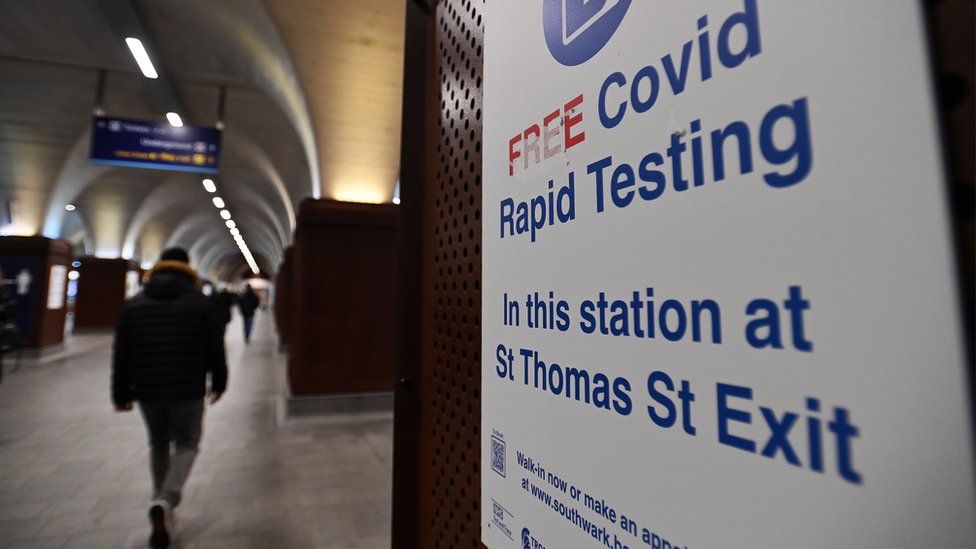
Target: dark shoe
{"x": 159, "y": 517}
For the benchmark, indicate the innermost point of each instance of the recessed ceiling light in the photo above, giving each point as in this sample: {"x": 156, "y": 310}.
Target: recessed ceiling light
{"x": 209, "y": 185}
{"x": 142, "y": 58}
{"x": 174, "y": 120}
{"x": 218, "y": 202}
{"x": 235, "y": 231}
{"x": 225, "y": 214}
{"x": 231, "y": 224}
{"x": 69, "y": 207}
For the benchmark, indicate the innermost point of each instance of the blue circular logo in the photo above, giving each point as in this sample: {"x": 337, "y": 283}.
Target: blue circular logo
{"x": 576, "y": 30}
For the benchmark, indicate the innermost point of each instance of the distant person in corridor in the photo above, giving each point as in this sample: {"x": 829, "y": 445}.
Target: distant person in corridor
{"x": 248, "y": 303}
{"x": 167, "y": 340}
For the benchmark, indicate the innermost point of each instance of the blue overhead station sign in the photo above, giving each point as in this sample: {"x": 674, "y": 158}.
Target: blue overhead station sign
{"x": 154, "y": 145}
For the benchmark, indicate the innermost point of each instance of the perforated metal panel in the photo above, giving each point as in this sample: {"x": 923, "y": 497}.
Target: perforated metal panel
{"x": 452, "y": 342}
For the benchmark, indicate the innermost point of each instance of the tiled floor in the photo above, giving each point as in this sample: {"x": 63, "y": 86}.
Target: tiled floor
{"x": 75, "y": 474}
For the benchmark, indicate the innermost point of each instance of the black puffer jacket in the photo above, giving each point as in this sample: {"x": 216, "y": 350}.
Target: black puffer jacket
{"x": 167, "y": 340}
{"x": 249, "y": 302}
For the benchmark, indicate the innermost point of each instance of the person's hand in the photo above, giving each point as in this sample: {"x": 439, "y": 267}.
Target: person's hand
{"x": 215, "y": 397}
{"x": 124, "y": 407}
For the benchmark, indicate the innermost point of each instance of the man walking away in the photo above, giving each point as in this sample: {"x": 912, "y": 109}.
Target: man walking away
{"x": 167, "y": 340}
{"x": 249, "y": 303}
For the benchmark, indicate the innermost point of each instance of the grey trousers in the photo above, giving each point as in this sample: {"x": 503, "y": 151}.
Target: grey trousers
{"x": 176, "y": 423}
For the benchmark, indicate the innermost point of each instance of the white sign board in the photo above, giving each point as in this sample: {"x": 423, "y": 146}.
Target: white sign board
{"x": 56, "y": 284}
{"x": 719, "y": 302}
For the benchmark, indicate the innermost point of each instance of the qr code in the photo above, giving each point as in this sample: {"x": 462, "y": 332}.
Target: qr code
{"x": 498, "y": 455}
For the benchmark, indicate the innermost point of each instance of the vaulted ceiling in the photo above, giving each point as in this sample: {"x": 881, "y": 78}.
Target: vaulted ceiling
{"x": 312, "y": 109}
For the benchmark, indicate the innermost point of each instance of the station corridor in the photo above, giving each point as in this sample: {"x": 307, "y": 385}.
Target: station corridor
{"x": 73, "y": 473}
{"x": 564, "y": 274}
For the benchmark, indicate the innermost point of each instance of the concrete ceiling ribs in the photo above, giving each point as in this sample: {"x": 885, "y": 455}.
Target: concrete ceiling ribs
{"x": 311, "y": 108}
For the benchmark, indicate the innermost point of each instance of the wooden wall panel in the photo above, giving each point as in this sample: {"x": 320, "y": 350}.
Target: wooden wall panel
{"x": 47, "y": 326}
{"x": 284, "y": 298}
{"x": 416, "y": 163}
{"x": 344, "y": 298}
{"x": 442, "y": 393}
{"x": 50, "y": 330}
{"x": 451, "y": 443}
{"x": 101, "y": 292}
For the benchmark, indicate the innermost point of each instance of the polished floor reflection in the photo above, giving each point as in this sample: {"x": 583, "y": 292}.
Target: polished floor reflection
{"x": 75, "y": 474}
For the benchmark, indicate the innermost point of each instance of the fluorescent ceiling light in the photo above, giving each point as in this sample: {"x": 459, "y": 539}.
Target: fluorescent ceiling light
{"x": 218, "y": 202}
{"x": 209, "y": 185}
{"x": 174, "y": 120}
{"x": 69, "y": 207}
{"x": 142, "y": 58}
{"x": 231, "y": 224}
{"x": 250, "y": 259}
{"x": 225, "y": 214}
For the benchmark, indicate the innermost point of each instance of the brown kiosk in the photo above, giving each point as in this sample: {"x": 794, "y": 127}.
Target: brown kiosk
{"x": 35, "y": 269}
{"x": 342, "y": 296}
{"x": 101, "y": 296}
